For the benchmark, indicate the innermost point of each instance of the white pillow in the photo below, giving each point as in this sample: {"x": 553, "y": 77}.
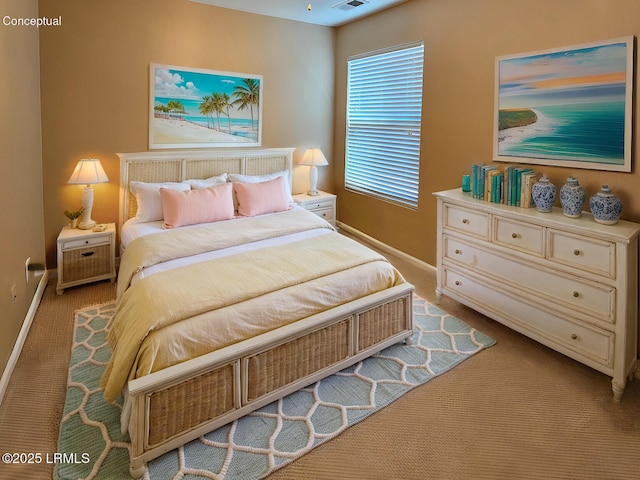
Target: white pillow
{"x": 207, "y": 182}
{"x": 234, "y": 177}
{"x": 149, "y": 201}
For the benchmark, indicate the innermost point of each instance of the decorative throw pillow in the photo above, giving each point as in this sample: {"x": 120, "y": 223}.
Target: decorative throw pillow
{"x": 149, "y": 205}
{"x": 235, "y": 177}
{"x": 203, "y": 205}
{"x": 264, "y": 197}
{"x": 207, "y": 182}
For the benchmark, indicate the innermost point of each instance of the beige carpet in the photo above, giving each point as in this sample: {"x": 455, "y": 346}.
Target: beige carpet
{"x": 518, "y": 411}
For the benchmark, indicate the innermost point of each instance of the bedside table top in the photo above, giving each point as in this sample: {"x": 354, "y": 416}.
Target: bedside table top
{"x": 303, "y": 197}
{"x": 68, "y": 232}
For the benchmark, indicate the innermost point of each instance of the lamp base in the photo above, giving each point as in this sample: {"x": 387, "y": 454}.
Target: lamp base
{"x": 86, "y": 222}
{"x": 313, "y": 181}
{"x": 87, "y": 226}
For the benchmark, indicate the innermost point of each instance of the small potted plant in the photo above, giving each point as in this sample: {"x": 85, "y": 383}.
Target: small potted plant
{"x": 73, "y": 215}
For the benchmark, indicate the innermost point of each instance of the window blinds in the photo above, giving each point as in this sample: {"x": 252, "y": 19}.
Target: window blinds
{"x": 384, "y": 113}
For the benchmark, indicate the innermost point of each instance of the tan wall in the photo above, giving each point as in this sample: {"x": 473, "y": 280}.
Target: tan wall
{"x": 462, "y": 39}
{"x": 20, "y": 169}
{"x": 95, "y": 85}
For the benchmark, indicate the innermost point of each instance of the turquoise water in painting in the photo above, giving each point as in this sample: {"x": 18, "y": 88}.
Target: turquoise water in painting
{"x": 235, "y": 122}
{"x": 238, "y": 126}
{"x": 584, "y": 132}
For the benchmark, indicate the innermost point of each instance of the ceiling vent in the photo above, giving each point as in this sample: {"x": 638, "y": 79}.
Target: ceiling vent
{"x": 350, "y": 4}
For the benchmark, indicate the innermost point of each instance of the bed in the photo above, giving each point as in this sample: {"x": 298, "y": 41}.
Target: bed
{"x": 219, "y": 314}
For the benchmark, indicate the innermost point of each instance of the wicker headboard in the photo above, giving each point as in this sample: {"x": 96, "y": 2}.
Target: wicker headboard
{"x": 176, "y": 166}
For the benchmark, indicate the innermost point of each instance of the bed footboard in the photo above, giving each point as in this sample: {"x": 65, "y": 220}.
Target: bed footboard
{"x": 179, "y": 404}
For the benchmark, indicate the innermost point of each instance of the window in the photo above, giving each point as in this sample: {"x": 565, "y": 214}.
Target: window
{"x": 384, "y": 115}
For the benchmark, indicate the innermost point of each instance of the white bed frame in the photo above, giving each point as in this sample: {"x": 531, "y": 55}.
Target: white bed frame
{"x": 217, "y": 388}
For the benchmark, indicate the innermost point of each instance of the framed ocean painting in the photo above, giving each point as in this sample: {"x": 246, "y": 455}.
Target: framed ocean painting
{"x": 191, "y": 108}
{"x": 569, "y": 107}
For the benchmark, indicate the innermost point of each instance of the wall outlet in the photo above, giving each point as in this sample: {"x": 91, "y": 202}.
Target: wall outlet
{"x": 26, "y": 269}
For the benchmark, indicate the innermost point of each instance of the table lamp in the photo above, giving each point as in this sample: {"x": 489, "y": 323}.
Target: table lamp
{"x": 87, "y": 172}
{"x": 314, "y": 158}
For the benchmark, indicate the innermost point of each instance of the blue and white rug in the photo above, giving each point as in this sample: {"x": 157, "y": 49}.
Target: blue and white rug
{"x": 255, "y": 445}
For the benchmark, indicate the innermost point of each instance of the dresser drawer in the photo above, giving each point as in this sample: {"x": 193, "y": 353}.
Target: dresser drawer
{"x": 525, "y": 237}
{"x": 85, "y": 242}
{"x": 590, "y": 298}
{"x": 467, "y": 221}
{"x": 585, "y": 253}
{"x": 562, "y": 333}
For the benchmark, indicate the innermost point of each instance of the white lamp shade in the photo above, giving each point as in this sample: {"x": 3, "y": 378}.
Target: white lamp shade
{"x": 315, "y": 157}
{"x": 88, "y": 171}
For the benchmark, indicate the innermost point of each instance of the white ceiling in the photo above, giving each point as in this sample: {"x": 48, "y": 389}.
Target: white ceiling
{"x": 330, "y": 13}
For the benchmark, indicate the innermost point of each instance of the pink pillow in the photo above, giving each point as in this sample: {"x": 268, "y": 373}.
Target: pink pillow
{"x": 258, "y": 198}
{"x": 196, "y": 206}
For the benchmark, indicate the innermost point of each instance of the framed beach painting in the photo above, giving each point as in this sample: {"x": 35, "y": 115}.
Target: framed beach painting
{"x": 194, "y": 108}
{"x": 569, "y": 107}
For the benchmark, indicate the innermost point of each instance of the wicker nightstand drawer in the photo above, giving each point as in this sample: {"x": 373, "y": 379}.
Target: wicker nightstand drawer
{"x": 85, "y": 256}
{"x": 84, "y": 263}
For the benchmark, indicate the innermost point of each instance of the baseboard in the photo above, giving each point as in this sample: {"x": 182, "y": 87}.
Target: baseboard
{"x": 384, "y": 247}
{"x": 22, "y": 336}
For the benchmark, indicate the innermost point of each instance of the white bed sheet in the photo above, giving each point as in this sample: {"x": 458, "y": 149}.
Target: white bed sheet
{"x": 160, "y": 267}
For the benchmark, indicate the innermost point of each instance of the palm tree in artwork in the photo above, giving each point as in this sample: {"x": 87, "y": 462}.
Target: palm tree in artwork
{"x": 161, "y": 111}
{"x": 206, "y": 109}
{"x": 247, "y": 96}
{"x": 176, "y": 107}
{"x": 222, "y": 104}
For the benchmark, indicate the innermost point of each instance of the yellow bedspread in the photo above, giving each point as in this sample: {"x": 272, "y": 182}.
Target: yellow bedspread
{"x": 182, "y": 313}
{"x": 182, "y": 242}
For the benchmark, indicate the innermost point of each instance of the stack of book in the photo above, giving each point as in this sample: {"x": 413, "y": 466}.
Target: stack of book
{"x": 511, "y": 186}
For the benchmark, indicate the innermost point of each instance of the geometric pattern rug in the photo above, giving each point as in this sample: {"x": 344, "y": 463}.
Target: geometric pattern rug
{"x": 261, "y": 442}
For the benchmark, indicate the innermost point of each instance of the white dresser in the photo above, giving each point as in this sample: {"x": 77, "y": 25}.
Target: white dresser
{"x": 569, "y": 283}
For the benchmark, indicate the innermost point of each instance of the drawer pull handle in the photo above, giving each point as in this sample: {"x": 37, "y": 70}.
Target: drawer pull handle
{"x": 465, "y": 220}
{"x": 514, "y": 235}
{"x": 87, "y": 254}
{"x": 576, "y": 294}
{"x": 574, "y": 336}
{"x": 458, "y": 251}
{"x": 576, "y": 252}
{"x": 457, "y": 283}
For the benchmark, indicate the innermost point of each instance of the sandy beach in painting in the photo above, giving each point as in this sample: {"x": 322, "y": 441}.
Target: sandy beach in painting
{"x": 173, "y": 131}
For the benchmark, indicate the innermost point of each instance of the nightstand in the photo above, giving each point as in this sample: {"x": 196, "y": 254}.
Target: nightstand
{"x": 323, "y": 205}
{"x": 85, "y": 256}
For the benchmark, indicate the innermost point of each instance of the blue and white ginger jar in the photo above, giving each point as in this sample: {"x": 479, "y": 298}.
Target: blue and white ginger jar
{"x": 572, "y": 198}
{"x": 606, "y": 207}
{"x": 543, "y": 193}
